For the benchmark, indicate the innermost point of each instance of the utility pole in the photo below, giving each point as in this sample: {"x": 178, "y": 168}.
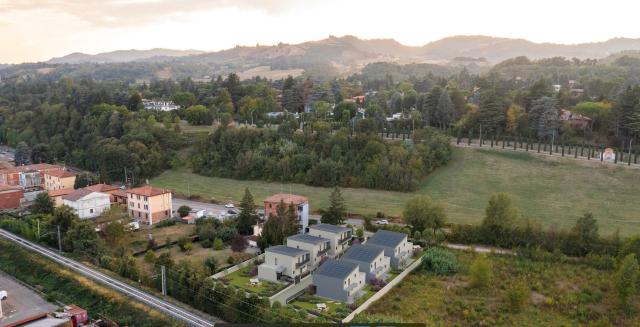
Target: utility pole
{"x": 59, "y": 240}
{"x": 164, "y": 280}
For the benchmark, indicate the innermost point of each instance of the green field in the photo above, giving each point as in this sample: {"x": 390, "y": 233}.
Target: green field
{"x": 555, "y": 192}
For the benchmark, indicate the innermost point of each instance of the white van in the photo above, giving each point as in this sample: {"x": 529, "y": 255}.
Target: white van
{"x": 3, "y": 295}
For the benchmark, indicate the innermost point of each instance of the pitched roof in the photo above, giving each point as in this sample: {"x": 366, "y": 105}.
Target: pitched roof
{"x": 329, "y": 228}
{"x": 77, "y": 194}
{"x": 386, "y": 238}
{"x": 148, "y": 190}
{"x": 306, "y": 238}
{"x": 61, "y": 192}
{"x": 288, "y": 251}
{"x": 336, "y": 268}
{"x": 364, "y": 253}
{"x": 60, "y": 173}
{"x": 287, "y": 198}
{"x": 102, "y": 188}
{"x": 42, "y": 167}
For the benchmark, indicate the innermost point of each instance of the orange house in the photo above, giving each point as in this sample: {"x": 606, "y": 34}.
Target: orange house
{"x": 59, "y": 180}
{"x": 300, "y": 204}
{"x": 149, "y": 204}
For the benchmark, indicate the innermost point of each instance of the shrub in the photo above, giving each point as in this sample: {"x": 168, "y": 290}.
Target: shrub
{"x": 440, "y": 261}
{"x": 183, "y": 211}
{"x": 231, "y": 260}
{"x": 481, "y": 271}
{"x": 239, "y": 243}
{"x": 211, "y": 264}
{"x": 217, "y": 244}
{"x": 187, "y": 247}
{"x": 151, "y": 244}
{"x": 517, "y": 296}
{"x": 602, "y": 262}
{"x": 150, "y": 257}
{"x": 206, "y": 243}
{"x": 165, "y": 223}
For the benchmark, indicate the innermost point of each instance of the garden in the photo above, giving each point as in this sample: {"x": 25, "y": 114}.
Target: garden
{"x": 242, "y": 279}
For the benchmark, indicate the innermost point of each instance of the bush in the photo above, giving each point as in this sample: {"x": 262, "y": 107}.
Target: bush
{"x": 239, "y": 243}
{"x": 440, "y": 261}
{"x": 165, "y": 223}
{"x": 481, "y": 271}
{"x": 150, "y": 257}
{"x": 206, "y": 243}
{"x": 517, "y": 296}
{"x": 231, "y": 260}
{"x": 184, "y": 211}
{"x": 602, "y": 262}
{"x": 217, "y": 244}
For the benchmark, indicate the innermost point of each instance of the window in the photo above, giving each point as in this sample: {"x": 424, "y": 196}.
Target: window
{"x": 146, "y": 216}
{"x": 138, "y": 205}
{"x": 90, "y": 210}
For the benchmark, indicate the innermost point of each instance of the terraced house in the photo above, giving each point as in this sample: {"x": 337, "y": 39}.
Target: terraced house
{"x": 318, "y": 247}
{"x": 338, "y": 237}
{"x": 370, "y": 259}
{"x": 149, "y": 205}
{"x": 283, "y": 262}
{"x": 396, "y": 246}
{"x": 339, "y": 280}
{"x": 59, "y": 180}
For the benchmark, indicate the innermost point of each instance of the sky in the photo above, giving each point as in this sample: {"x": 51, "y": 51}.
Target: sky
{"x": 37, "y": 30}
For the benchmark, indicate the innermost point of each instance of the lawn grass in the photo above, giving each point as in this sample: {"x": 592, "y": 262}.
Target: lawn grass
{"x": 335, "y": 309}
{"x": 555, "y": 192}
{"x": 562, "y": 294}
{"x": 139, "y": 238}
{"x": 264, "y": 288}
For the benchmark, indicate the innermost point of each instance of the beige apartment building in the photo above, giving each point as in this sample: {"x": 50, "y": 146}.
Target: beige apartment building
{"x": 59, "y": 180}
{"x": 149, "y": 205}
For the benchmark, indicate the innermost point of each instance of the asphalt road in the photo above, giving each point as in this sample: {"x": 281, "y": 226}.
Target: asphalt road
{"x": 22, "y": 302}
{"x": 170, "y": 309}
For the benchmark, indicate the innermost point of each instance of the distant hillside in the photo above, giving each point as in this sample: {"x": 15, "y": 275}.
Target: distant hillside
{"x": 121, "y": 56}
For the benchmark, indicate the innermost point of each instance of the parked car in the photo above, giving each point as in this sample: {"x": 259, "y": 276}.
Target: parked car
{"x": 229, "y": 205}
{"x": 3, "y": 295}
{"x": 232, "y": 212}
{"x": 382, "y": 222}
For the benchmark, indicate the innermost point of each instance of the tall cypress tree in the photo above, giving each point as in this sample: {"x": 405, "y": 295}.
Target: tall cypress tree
{"x": 444, "y": 112}
{"x": 337, "y": 210}
{"x": 248, "y": 216}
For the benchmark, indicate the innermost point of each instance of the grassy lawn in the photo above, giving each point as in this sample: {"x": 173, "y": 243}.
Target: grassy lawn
{"x": 264, "y": 288}
{"x": 562, "y": 295}
{"x": 140, "y": 238}
{"x": 555, "y": 192}
{"x": 335, "y": 309}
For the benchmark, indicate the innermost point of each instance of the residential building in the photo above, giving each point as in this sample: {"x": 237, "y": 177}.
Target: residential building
{"x": 396, "y": 246}
{"x": 11, "y": 176}
{"x": 300, "y": 204}
{"x": 284, "y": 262}
{"x": 149, "y": 204}
{"x": 575, "y": 119}
{"x": 338, "y": 237}
{"x": 160, "y": 105}
{"x": 30, "y": 180}
{"x": 370, "y": 259}
{"x": 339, "y": 280}
{"x": 11, "y": 197}
{"x": 112, "y": 190}
{"x": 87, "y": 203}
{"x": 56, "y": 196}
{"x": 318, "y": 247}
{"x": 58, "y": 180}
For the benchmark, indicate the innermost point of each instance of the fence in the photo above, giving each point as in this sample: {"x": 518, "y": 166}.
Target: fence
{"x": 237, "y": 267}
{"x": 379, "y": 294}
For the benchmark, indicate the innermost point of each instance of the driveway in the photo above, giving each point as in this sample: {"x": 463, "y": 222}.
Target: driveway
{"x": 22, "y": 302}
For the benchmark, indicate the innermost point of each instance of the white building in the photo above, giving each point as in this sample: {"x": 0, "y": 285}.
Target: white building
{"x": 160, "y": 105}
{"x": 338, "y": 237}
{"x": 396, "y": 246}
{"x": 86, "y": 203}
{"x": 339, "y": 280}
{"x": 284, "y": 262}
{"x": 318, "y": 247}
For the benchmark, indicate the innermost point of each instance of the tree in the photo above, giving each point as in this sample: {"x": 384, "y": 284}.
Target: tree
{"x": 239, "y": 243}
{"x": 626, "y": 279}
{"x": 184, "y": 99}
{"x": 585, "y": 234}
{"x": 481, "y": 271}
{"x": 444, "y": 112}
{"x": 115, "y": 234}
{"x": 40, "y": 153}
{"x": 440, "y": 261}
{"x": 63, "y": 217}
{"x": 85, "y": 179}
{"x": 211, "y": 264}
{"x": 337, "y": 210}
{"x": 81, "y": 238}
{"x": 217, "y": 244}
{"x": 134, "y": 102}
{"x": 22, "y": 154}
{"x": 279, "y": 226}
{"x": 198, "y": 115}
{"x": 430, "y": 105}
{"x": 422, "y": 212}
{"x": 184, "y": 210}
{"x": 517, "y": 296}
{"x": 42, "y": 204}
{"x": 491, "y": 113}
{"x": 500, "y": 216}
{"x": 248, "y": 215}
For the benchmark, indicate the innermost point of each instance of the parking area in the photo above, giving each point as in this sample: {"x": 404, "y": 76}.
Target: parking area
{"x": 21, "y": 302}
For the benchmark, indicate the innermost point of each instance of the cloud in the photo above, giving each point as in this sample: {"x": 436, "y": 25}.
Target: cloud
{"x": 121, "y": 13}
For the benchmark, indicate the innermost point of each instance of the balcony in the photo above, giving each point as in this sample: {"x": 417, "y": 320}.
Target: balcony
{"x": 345, "y": 239}
{"x": 326, "y": 249}
{"x": 303, "y": 262}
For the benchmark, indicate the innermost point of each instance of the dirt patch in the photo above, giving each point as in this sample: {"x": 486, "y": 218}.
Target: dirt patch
{"x": 537, "y": 298}
{"x": 567, "y": 286}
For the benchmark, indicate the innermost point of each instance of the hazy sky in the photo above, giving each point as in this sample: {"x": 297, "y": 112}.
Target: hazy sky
{"x": 32, "y": 30}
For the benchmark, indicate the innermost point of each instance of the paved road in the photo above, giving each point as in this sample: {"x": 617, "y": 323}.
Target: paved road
{"x": 22, "y": 302}
{"x": 170, "y": 309}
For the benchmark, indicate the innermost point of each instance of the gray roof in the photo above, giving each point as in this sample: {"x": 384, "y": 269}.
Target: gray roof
{"x": 363, "y": 253}
{"x": 289, "y": 251}
{"x": 386, "y": 238}
{"x": 306, "y": 238}
{"x": 336, "y": 269}
{"x": 330, "y": 228}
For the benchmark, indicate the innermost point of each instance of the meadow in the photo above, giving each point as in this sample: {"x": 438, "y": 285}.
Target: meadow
{"x": 553, "y": 191}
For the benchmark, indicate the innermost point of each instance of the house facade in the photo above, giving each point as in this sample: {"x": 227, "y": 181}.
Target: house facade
{"x": 59, "y": 180}
{"x": 112, "y": 190}
{"x": 339, "y": 280}
{"x": 284, "y": 262}
{"x": 300, "y": 205}
{"x": 370, "y": 259}
{"x": 12, "y": 176}
{"x": 396, "y": 246}
{"x": 318, "y": 247}
{"x": 338, "y": 237}
{"x": 56, "y": 196}
{"x": 87, "y": 203}
{"x": 11, "y": 197}
{"x": 149, "y": 205}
